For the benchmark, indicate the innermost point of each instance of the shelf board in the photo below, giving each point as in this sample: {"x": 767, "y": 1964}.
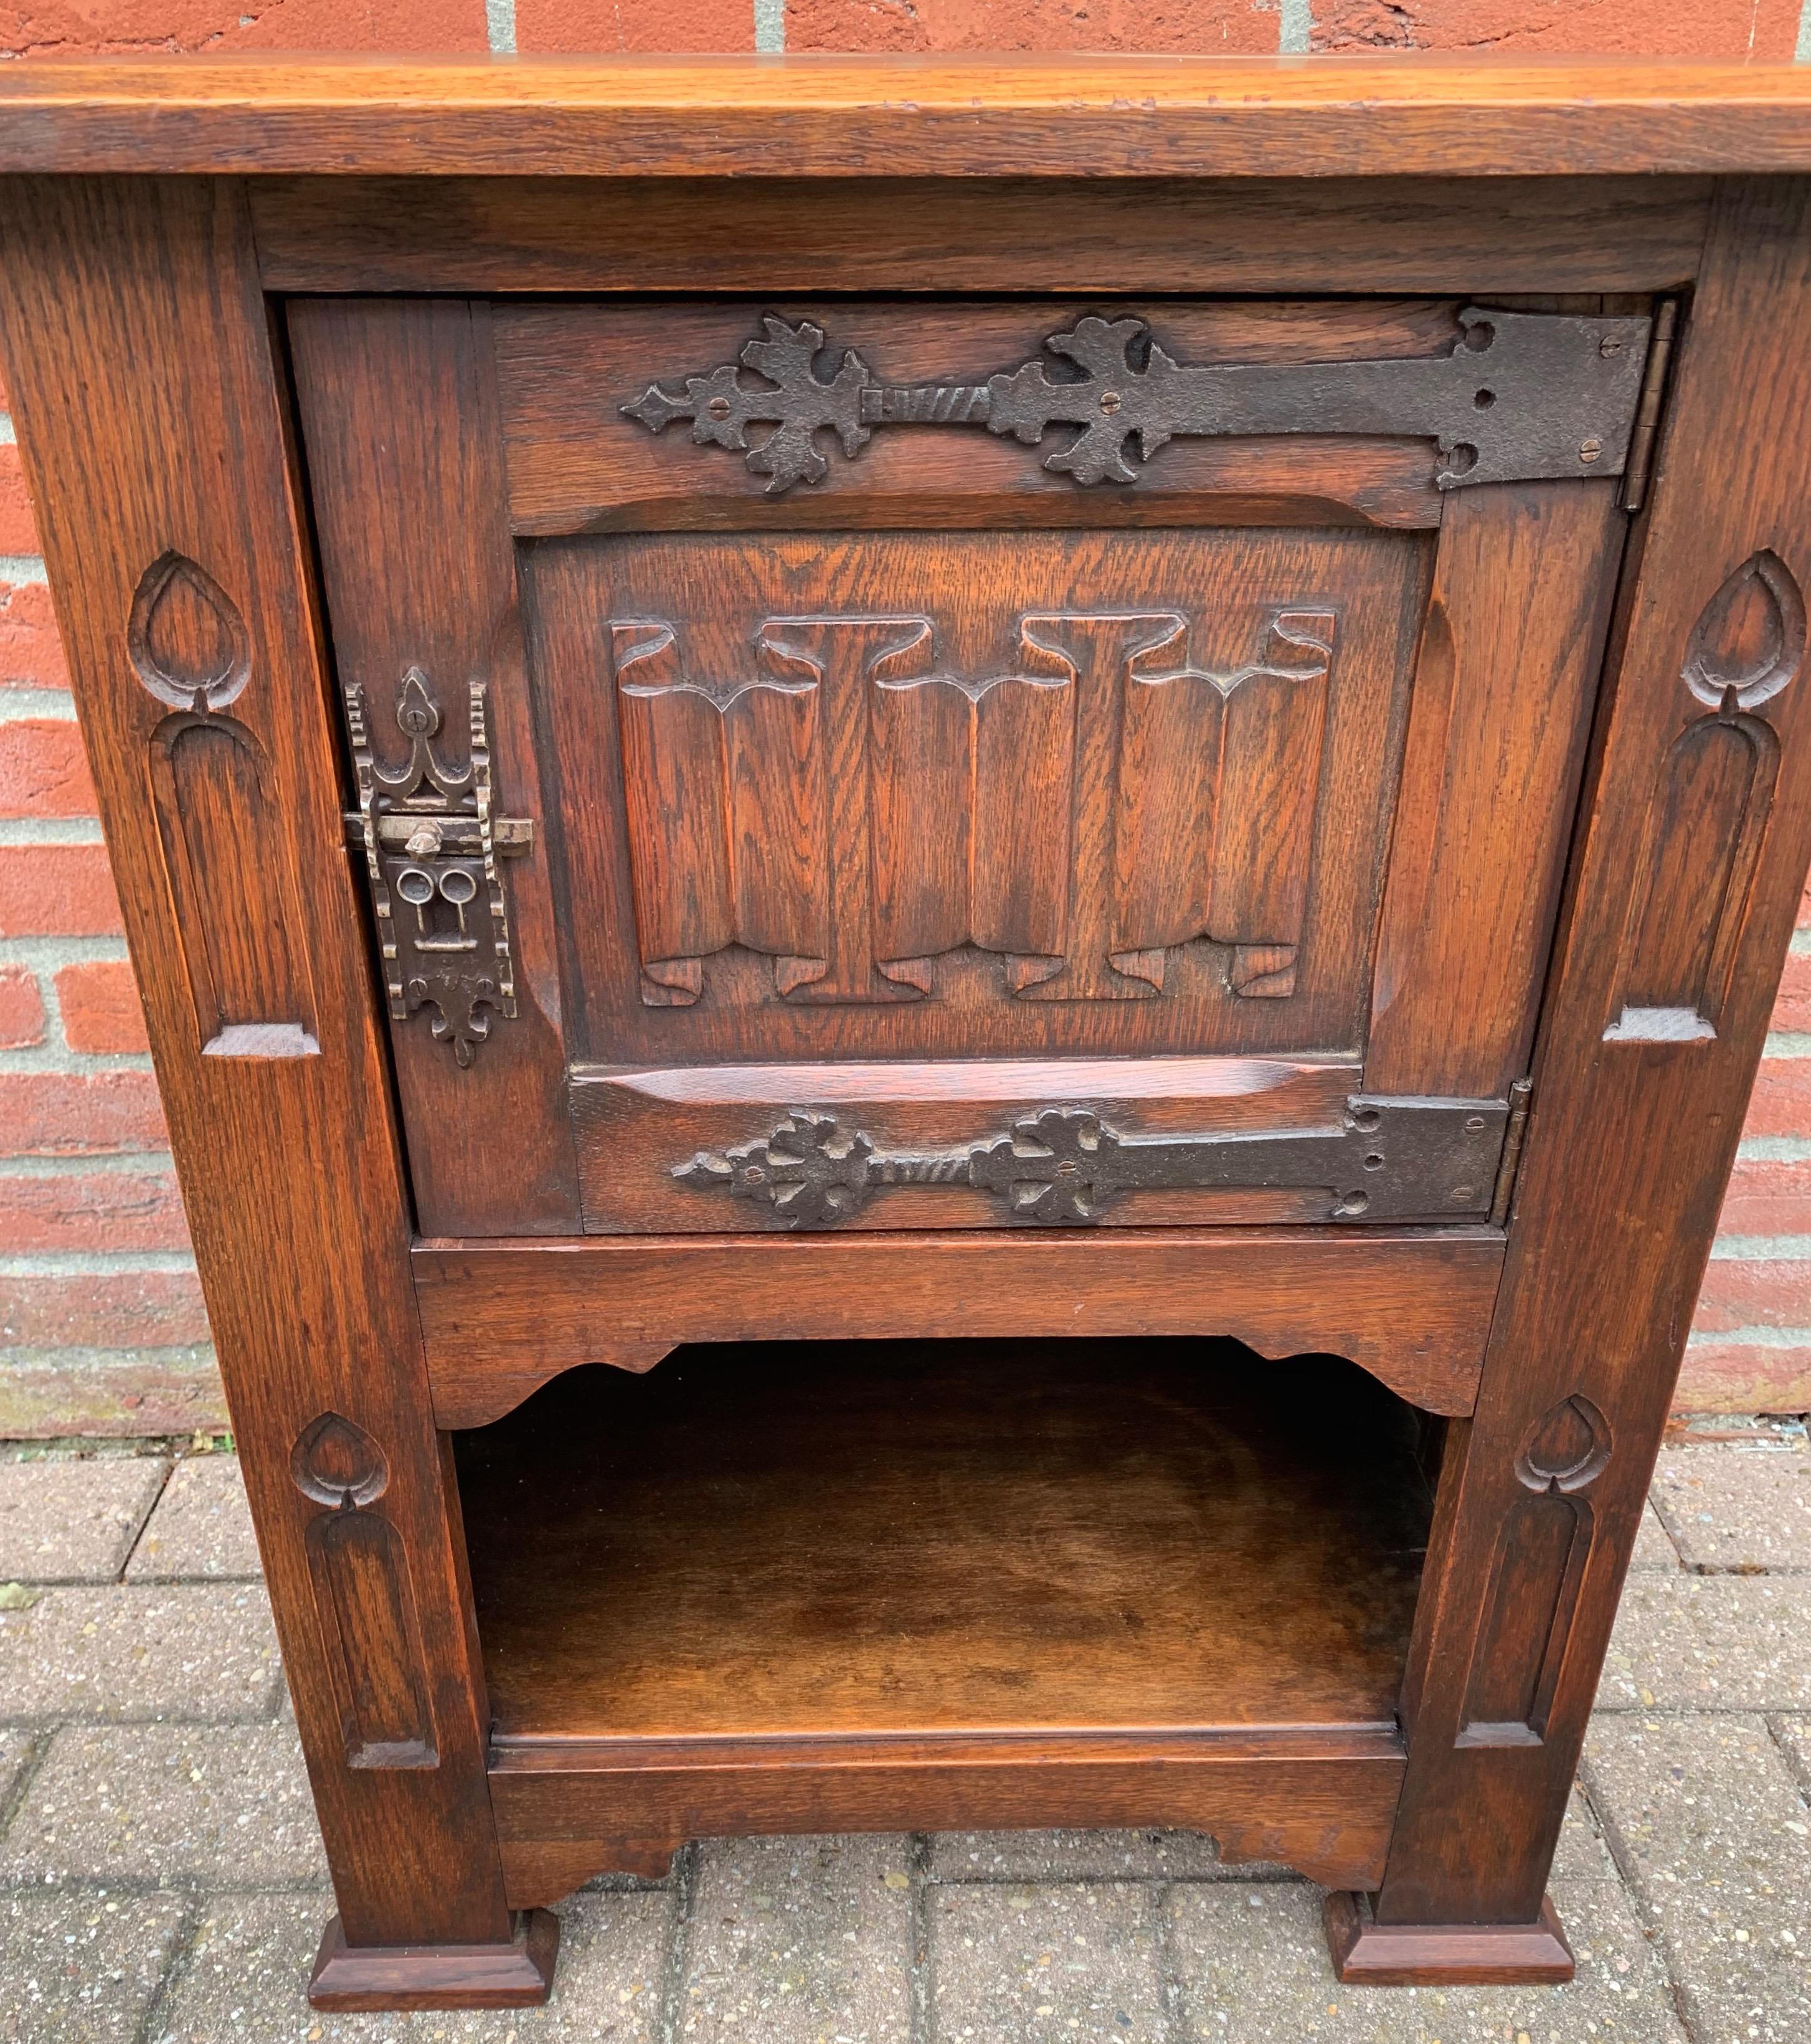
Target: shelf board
{"x": 898, "y": 1537}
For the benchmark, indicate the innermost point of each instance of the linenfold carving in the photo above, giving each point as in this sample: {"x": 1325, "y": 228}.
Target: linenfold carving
{"x": 1521, "y": 395}
{"x": 364, "y": 1598}
{"x": 1707, "y": 817}
{"x": 1388, "y": 1159}
{"x": 846, "y": 804}
{"x": 447, "y": 948}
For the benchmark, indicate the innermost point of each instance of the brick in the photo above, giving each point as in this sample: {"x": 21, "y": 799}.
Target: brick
{"x": 1707, "y": 1818}
{"x": 1745, "y": 1509}
{"x": 1207, "y": 28}
{"x": 83, "y": 1968}
{"x": 78, "y": 1210}
{"x": 1710, "y": 1642}
{"x": 1792, "y": 1007}
{"x": 1578, "y": 28}
{"x": 121, "y": 1397}
{"x": 118, "y": 1309}
{"x": 1253, "y": 1968}
{"x": 201, "y": 1527}
{"x": 794, "y": 1939}
{"x": 57, "y": 890}
{"x": 68, "y": 29}
{"x": 1057, "y": 1960}
{"x": 547, "y": 25}
{"x": 189, "y": 1652}
{"x": 31, "y": 648}
{"x": 1740, "y": 1376}
{"x": 18, "y": 527}
{"x": 77, "y": 1114}
{"x": 249, "y": 1971}
{"x": 1768, "y": 1196}
{"x": 1754, "y": 1291}
{"x": 1148, "y": 1855}
{"x": 44, "y": 771}
{"x": 21, "y": 1011}
{"x": 71, "y": 1520}
{"x": 101, "y": 1011}
{"x": 1781, "y": 1103}
{"x": 219, "y": 1806}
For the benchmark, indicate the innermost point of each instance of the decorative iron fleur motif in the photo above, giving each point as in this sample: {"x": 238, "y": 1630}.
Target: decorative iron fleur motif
{"x": 1388, "y": 1159}
{"x": 1519, "y": 396}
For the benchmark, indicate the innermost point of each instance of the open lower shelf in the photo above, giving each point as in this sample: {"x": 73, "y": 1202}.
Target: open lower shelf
{"x": 828, "y": 1538}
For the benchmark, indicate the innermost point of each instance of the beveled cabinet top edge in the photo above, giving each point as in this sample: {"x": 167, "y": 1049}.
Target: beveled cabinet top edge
{"x": 855, "y": 115}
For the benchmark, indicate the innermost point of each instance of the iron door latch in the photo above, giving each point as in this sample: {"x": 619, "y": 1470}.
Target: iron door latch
{"x": 431, "y": 842}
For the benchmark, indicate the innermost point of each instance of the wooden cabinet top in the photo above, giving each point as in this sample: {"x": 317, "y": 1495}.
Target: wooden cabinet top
{"x": 852, "y": 116}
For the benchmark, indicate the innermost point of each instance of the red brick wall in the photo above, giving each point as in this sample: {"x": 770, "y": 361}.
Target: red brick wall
{"x": 102, "y": 1327}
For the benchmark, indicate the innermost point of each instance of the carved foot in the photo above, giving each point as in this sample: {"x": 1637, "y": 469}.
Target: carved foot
{"x": 1367, "y": 1953}
{"x": 358, "y": 1978}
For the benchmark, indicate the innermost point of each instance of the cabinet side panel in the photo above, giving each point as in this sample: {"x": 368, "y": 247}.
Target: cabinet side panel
{"x": 137, "y": 352}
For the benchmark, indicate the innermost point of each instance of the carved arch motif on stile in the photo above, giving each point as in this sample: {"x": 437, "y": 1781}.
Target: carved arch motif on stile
{"x": 1707, "y": 818}
{"x": 225, "y": 855}
{"x": 364, "y": 1600}
{"x": 1536, "y": 1577}
{"x": 850, "y": 807}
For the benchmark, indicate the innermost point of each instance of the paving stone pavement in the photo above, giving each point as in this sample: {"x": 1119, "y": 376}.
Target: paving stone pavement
{"x": 162, "y": 1880}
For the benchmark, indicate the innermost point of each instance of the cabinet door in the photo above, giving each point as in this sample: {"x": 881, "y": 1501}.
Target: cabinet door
{"x": 962, "y": 763}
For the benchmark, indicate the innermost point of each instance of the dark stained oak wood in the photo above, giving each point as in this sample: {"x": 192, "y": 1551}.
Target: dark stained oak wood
{"x": 1267, "y": 236}
{"x": 349, "y": 1979}
{"x": 814, "y": 1539}
{"x": 1215, "y": 794}
{"x": 500, "y": 1318}
{"x": 1106, "y": 115}
{"x": 1640, "y": 1082}
{"x": 1367, "y": 1953}
{"x": 1319, "y": 1800}
{"x": 275, "y": 1086}
{"x": 900, "y": 1582}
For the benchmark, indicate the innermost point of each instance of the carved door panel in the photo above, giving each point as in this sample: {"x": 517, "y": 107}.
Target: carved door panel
{"x": 1076, "y": 769}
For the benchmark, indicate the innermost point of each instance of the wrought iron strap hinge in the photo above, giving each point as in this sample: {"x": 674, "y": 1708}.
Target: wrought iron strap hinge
{"x": 431, "y": 842}
{"x": 1520, "y": 397}
{"x": 1389, "y": 1159}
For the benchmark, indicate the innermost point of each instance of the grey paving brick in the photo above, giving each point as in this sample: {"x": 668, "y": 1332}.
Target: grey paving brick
{"x": 216, "y": 1805}
{"x": 201, "y": 1527}
{"x": 73, "y": 1520}
{"x": 1073, "y": 1855}
{"x": 1793, "y": 1734}
{"x": 1737, "y": 1507}
{"x": 1253, "y": 1968}
{"x": 1710, "y": 1642}
{"x": 1711, "y": 1826}
{"x": 197, "y": 1652}
{"x": 1582, "y": 1853}
{"x": 247, "y": 1979}
{"x": 793, "y": 1940}
{"x": 1653, "y": 1549}
{"x": 1010, "y": 1965}
{"x": 82, "y": 1968}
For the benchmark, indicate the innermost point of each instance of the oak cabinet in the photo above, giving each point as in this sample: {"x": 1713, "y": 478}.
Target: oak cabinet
{"x": 1101, "y": 886}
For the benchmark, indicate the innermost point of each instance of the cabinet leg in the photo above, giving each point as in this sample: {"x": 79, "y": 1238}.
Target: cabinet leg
{"x": 350, "y": 1979}
{"x": 1367, "y": 1953}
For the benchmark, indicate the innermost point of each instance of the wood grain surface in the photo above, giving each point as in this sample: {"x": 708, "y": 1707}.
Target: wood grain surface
{"x": 1105, "y": 115}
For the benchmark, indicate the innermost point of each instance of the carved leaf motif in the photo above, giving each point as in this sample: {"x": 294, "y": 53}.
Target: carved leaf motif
{"x": 336, "y": 1462}
{"x": 185, "y": 637}
{"x": 1566, "y": 1448}
{"x": 1750, "y": 638}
